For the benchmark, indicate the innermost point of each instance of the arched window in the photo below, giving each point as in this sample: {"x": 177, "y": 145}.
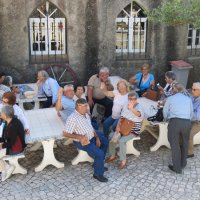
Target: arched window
{"x": 131, "y": 28}
{"x": 193, "y": 40}
{"x": 47, "y": 31}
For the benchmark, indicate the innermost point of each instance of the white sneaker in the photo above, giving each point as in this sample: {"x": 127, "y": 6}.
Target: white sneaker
{"x": 7, "y": 172}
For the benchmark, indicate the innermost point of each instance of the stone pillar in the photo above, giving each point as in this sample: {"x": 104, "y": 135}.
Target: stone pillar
{"x": 92, "y": 42}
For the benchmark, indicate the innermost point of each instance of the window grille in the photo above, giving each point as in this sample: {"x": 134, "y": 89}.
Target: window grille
{"x": 47, "y": 34}
{"x": 131, "y": 31}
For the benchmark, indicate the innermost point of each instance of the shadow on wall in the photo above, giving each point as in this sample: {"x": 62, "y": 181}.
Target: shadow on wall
{"x": 25, "y": 75}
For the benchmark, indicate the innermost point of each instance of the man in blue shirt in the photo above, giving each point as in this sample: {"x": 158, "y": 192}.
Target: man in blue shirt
{"x": 49, "y": 87}
{"x": 178, "y": 110}
{"x": 65, "y": 105}
{"x": 195, "y": 118}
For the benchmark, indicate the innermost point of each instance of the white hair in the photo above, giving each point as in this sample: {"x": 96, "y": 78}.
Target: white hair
{"x": 66, "y": 87}
{"x": 104, "y": 69}
{"x": 178, "y": 88}
{"x": 8, "y": 111}
{"x": 44, "y": 74}
{"x": 170, "y": 75}
{"x": 197, "y": 85}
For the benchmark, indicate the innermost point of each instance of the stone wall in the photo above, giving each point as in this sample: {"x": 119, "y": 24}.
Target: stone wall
{"x": 14, "y": 40}
{"x": 90, "y": 39}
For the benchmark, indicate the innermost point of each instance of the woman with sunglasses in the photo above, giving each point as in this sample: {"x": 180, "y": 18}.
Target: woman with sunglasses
{"x": 131, "y": 112}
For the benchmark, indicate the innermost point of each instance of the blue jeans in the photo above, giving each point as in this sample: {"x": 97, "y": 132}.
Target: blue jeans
{"x": 109, "y": 122}
{"x": 95, "y": 124}
{"x": 98, "y": 154}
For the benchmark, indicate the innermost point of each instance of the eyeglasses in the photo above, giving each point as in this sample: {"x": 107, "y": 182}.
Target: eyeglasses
{"x": 132, "y": 99}
{"x": 82, "y": 105}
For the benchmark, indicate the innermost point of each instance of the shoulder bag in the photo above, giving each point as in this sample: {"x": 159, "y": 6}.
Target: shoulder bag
{"x": 125, "y": 126}
{"x": 153, "y": 95}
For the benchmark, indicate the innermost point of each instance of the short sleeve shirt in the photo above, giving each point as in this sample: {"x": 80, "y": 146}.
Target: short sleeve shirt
{"x": 95, "y": 83}
{"x": 68, "y": 107}
{"x": 79, "y": 124}
{"x": 147, "y": 83}
{"x": 118, "y": 103}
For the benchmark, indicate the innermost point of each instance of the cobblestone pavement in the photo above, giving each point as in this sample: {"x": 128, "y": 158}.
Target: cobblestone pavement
{"x": 146, "y": 177}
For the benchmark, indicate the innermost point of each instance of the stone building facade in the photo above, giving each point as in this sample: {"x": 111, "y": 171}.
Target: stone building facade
{"x": 89, "y": 39}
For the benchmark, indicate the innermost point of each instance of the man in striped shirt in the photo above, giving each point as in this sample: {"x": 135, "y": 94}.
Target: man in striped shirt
{"x": 78, "y": 126}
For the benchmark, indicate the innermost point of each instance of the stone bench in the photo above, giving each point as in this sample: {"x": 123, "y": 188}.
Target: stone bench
{"x": 13, "y": 160}
{"x": 161, "y": 135}
{"x": 82, "y": 157}
{"x": 196, "y": 139}
{"x": 130, "y": 149}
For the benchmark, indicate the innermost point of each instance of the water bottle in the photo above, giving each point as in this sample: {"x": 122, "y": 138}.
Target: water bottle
{"x": 21, "y": 90}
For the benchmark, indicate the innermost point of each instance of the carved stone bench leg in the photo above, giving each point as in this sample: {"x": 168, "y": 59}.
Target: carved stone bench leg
{"x": 130, "y": 149}
{"x": 13, "y": 160}
{"x": 162, "y": 138}
{"x": 82, "y": 157}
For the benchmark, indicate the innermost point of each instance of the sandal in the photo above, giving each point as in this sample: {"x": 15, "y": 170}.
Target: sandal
{"x": 122, "y": 165}
{"x": 111, "y": 159}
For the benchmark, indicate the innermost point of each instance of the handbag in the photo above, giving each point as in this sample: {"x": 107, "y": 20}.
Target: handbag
{"x": 153, "y": 95}
{"x": 157, "y": 117}
{"x": 125, "y": 126}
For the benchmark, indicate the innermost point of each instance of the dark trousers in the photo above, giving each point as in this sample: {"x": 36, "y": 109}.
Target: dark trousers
{"x": 179, "y": 130}
{"x": 107, "y": 103}
{"x": 47, "y": 103}
{"x": 98, "y": 154}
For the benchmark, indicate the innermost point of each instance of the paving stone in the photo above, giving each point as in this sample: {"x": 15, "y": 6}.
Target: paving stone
{"x": 145, "y": 178}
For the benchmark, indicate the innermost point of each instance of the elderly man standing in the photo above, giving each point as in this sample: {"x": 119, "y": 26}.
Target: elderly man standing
{"x": 178, "y": 110}
{"x": 65, "y": 105}
{"x": 49, "y": 87}
{"x": 196, "y": 117}
{"x": 95, "y": 95}
{"x": 78, "y": 127}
